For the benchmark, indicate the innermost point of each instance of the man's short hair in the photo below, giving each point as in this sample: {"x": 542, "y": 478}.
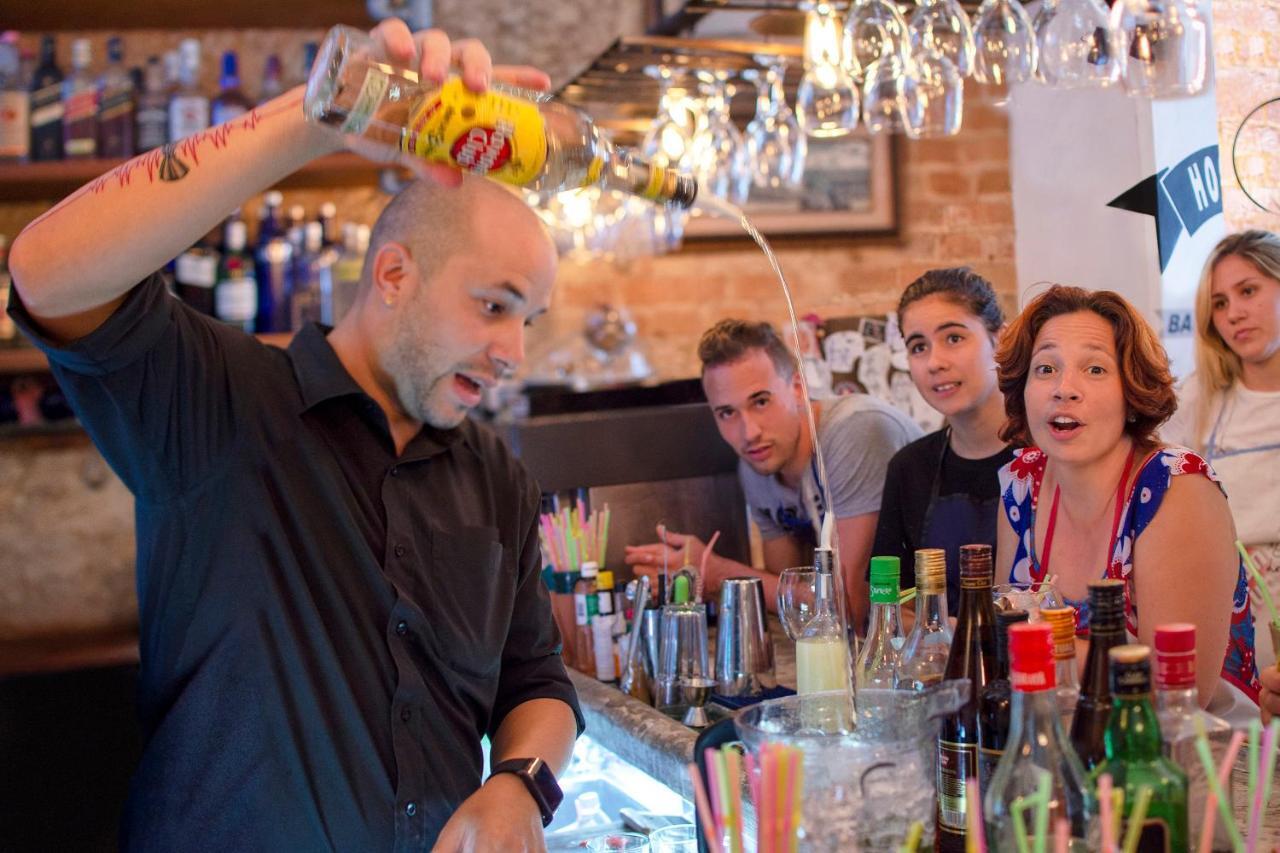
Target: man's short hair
{"x": 730, "y": 340}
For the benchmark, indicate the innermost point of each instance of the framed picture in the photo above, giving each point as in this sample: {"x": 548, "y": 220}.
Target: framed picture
{"x": 849, "y": 189}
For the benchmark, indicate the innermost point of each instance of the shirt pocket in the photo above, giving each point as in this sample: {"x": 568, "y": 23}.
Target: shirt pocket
{"x": 469, "y": 599}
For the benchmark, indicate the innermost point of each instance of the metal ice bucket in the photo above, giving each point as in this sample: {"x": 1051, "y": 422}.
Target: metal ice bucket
{"x": 864, "y": 784}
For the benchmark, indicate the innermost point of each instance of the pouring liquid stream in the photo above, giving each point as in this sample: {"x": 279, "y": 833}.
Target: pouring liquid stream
{"x": 824, "y": 659}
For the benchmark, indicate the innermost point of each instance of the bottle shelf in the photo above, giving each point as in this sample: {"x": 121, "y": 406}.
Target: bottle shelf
{"x": 25, "y": 359}
{"x": 50, "y": 181}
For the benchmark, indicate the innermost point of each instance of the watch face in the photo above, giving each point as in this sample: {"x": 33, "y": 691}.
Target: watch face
{"x": 547, "y": 785}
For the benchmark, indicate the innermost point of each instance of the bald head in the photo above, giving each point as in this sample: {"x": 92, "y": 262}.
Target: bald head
{"x": 434, "y": 222}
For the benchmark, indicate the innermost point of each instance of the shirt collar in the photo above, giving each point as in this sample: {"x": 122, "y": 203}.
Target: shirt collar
{"x": 321, "y": 377}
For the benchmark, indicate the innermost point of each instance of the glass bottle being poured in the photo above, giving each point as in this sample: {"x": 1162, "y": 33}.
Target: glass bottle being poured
{"x": 512, "y": 135}
{"x": 822, "y": 649}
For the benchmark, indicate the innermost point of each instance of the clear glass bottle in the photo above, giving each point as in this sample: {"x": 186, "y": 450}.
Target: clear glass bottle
{"x": 1037, "y": 746}
{"x": 1106, "y": 631}
{"x": 80, "y": 105}
{"x": 188, "y": 106}
{"x": 1178, "y": 708}
{"x": 878, "y": 661}
{"x": 924, "y": 657}
{"x": 505, "y": 133}
{"x": 822, "y": 649}
{"x": 973, "y": 656}
{"x": 995, "y": 701}
{"x": 231, "y": 100}
{"x": 1062, "y": 622}
{"x": 15, "y": 103}
{"x": 117, "y": 103}
{"x": 1135, "y": 756}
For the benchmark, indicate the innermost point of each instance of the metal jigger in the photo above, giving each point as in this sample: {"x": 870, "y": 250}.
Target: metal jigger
{"x": 696, "y": 692}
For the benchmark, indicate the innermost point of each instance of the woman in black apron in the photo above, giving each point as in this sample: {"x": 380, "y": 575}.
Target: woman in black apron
{"x": 942, "y": 491}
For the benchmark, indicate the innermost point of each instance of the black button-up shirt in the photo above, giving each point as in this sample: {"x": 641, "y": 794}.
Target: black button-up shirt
{"x": 327, "y": 629}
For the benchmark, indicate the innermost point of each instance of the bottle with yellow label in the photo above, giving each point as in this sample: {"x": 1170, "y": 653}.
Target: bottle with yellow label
{"x": 508, "y": 134}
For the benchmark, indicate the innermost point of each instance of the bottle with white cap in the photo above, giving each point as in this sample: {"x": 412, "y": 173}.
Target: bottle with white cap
{"x": 189, "y": 107}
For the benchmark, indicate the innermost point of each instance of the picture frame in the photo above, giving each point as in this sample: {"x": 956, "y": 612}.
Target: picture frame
{"x": 850, "y": 189}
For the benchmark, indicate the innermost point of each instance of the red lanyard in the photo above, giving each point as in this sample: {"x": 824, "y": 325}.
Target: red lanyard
{"x": 1115, "y": 523}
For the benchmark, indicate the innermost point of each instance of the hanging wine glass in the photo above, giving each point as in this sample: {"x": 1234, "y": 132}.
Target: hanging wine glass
{"x": 941, "y": 93}
{"x": 1079, "y": 47}
{"x": 774, "y": 139}
{"x": 670, "y": 136}
{"x": 873, "y": 29}
{"x": 1045, "y": 10}
{"x": 891, "y": 101}
{"x": 944, "y": 26}
{"x": 1166, "y": 45}
{"x": 827, "y": 97}
{"x": 1005, "y": 43}
{"x": 719, "y": 157}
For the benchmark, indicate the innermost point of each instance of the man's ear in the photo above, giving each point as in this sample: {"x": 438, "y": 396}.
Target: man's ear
{"x": 393, "y": 270}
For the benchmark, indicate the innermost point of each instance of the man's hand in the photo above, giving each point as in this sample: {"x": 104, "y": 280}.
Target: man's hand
{"x": 433, "y": 56}
{"x": 1269, "y": 699}
{"x": 502, "y": 815}
{"x": 647, "y": 559}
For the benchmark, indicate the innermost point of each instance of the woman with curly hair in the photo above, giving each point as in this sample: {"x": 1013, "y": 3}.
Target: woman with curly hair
{"x": 1096, "y": 495}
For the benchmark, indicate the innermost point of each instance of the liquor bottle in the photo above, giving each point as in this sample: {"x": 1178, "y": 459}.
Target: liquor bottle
{"x": 924, "y": 657}
{"x": 602, "y": 630}
{"x": 312, "y": 284}
{"x": 586, "y": 603}
{"x": 15, "y": 103}
{"x": 878, "y": 661}
{"x": 231, "y": 101}
{"x": 1062, "y": 622}
{"x": 309, "y": 51}
{"x": 504, "y": 133}
{"x": 1106, "y": 631}
{"x": 348, "y": 268}
{"x": 1038, "y": 746}
{"x": 116, "y": 104}
{"x": 1178, "y": 708}
{"x": 272, "y": 79}
{"x": 996, "y": 701}
{"x": 274, "y": 263}
{"x": 8, "y": 331}
{"x": 153, "y": 108}
{"x": 1135, "y": 755}
{"x": 195, "y": 274}
{"x": 822, "y": 649}
{"x": 328, "y": 219}
{"x": 46, "y": 105}
{"x": 235, "y": 296}
{"x": 80, "y": 105}
{"x": 188, "y": 107}
{"x": 973, "y": 656}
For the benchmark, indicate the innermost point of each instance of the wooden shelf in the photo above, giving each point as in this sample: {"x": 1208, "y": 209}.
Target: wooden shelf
{"x": 54, "y": 179}
{"x": 31, "y": 360}
{"x": 171, "y": 14}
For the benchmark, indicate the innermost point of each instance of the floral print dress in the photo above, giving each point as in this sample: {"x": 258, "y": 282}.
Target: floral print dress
{"x": 1020, "y": 492}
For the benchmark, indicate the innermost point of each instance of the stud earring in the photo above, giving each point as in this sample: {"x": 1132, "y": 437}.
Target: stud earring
{"x": 388, "y": 301}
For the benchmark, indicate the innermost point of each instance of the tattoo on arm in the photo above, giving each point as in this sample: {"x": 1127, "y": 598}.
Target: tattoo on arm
{"x": 172, "y": 162}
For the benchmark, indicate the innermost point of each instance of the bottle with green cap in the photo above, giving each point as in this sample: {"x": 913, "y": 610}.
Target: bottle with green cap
{"x": 878, "y": 660}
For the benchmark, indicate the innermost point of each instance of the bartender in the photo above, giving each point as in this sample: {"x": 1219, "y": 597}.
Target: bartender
{"x": 338, "y": 573}
{"x": 752, "y": 383}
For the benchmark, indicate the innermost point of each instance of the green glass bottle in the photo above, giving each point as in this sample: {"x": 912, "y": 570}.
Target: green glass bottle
{"x": 1135, "y": 754}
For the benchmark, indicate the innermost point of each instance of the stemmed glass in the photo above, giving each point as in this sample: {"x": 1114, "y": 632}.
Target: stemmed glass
{"x": 941, "y": 92}
{"x": 671, "y": 134}
{"x": 943, "y": 26}
{"x": 797, "y": 599}
{"x": 891, "y": 98}
{"x": 1005, "y": 42}
{"x": 1045, "y": 10}
{"x": 1079, "y": 47}
{"x": 873, "y": 29}
{"x": 827, "y": 97}
{"x": 1166, "y": 44}
{"x": 777, "y": 146}
{"x": 719, "y": 157}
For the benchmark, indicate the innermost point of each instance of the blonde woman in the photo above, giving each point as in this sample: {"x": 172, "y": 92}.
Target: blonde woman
{"x": 1229, "y": 409}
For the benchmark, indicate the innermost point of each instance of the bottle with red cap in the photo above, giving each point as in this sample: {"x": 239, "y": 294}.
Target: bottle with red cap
{"x": 1177, "y": 706}
{"x": 1038, "y": 748}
